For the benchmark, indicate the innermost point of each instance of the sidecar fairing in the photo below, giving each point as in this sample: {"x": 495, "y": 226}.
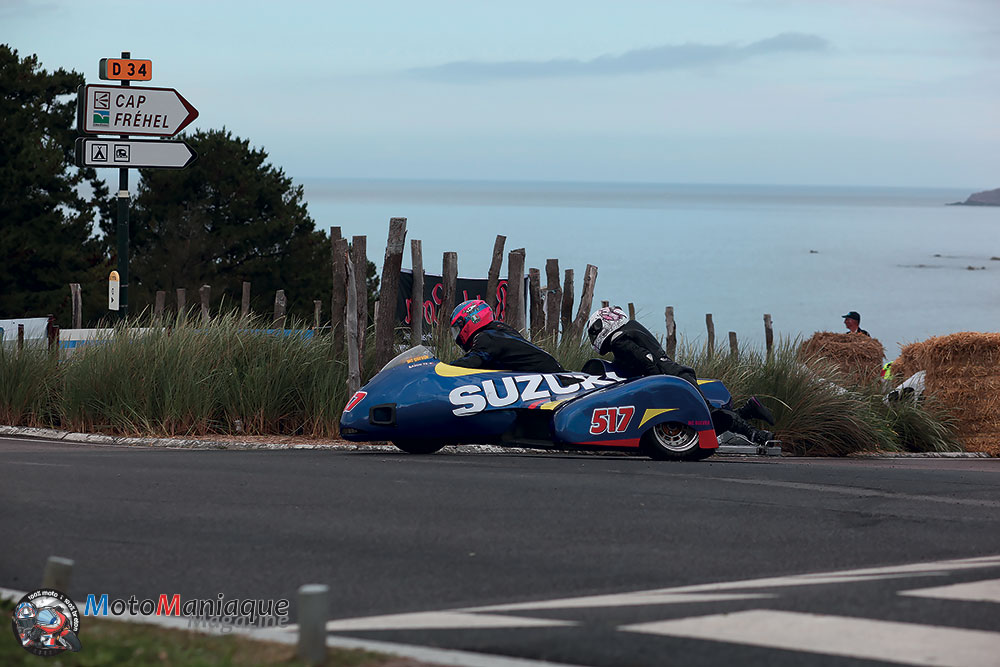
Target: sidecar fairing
{"x": 422, "y": 404}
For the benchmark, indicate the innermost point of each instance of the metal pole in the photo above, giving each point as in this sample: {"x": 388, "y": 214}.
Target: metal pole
{"x": 123, "y": 228}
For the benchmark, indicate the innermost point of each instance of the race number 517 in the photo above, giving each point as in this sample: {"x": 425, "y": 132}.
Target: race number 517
{"x": 611, "y": 420}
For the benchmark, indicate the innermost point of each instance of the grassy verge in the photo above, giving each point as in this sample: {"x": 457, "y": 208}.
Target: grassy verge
{"x": 113, "y": 643}
{"x": 229, "y": 378}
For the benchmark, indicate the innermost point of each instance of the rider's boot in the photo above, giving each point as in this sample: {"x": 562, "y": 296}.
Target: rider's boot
{"x": 754, "y": 409}
{"x": 742, "y": 427}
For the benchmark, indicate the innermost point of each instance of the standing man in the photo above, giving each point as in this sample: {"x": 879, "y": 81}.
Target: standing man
{"x": 852, "y": 321}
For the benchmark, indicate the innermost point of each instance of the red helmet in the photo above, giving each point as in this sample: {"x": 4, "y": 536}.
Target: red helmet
{"x": 468, "y": 318}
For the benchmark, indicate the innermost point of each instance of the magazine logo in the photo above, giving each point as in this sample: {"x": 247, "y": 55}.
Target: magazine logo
{"x": 219, "y": 614}
{"x": 46, "y": 623}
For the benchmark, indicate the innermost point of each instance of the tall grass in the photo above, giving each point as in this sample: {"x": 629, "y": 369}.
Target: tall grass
{"x": 228, "y": 377}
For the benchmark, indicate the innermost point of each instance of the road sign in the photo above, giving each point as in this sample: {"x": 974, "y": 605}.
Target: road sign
{"x": 113, "y": 291}
{"x": 125, "y": 69}
{"x": 153, "y": 112}
{"x": 93, "y": 152}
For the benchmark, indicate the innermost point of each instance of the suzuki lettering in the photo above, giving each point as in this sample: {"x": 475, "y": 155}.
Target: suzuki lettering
{"x": 474, "y": 398}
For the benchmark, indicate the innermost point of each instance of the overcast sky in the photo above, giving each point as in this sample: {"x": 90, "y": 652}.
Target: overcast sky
{"x": 838, "y": 92}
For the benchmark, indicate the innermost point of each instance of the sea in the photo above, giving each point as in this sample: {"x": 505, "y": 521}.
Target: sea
{"x": 911, "y": 265}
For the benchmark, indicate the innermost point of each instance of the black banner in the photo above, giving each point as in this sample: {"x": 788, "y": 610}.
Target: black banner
{"x": 467, "y": 288}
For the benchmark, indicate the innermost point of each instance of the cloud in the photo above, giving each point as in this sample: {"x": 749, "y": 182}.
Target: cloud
{"x": 639, "y": 61}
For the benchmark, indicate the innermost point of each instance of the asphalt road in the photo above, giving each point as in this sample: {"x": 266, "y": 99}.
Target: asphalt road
{"x": 398, "y": 534}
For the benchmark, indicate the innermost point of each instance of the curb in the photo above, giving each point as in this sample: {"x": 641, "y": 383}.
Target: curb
{"x": 184, "y": 443}
{"x": 343, "y": 445}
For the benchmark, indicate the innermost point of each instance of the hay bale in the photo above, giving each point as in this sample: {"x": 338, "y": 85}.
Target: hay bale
{"x": 857, "y": 356}
{"x": 963, "y": 373}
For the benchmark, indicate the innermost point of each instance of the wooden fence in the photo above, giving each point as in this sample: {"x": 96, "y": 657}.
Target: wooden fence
{"x": 549, "y": 309}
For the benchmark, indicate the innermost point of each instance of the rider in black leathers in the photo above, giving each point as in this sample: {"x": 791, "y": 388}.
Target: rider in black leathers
{"x": 638, "y": 353}
{"x": 494, "y": 345}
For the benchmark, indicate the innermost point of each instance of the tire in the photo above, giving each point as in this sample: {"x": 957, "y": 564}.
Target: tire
{"x": 673, "y": 441}
{"x": 72, "y": 640}
{"x": 419, "y": 446}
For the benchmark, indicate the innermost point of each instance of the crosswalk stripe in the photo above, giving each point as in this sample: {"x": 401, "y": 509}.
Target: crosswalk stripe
{"x": 704, "y": 592}
{"x": 972, "y": 591}
{"x": 440, "y": 620}
{"x": 860, "y": 638}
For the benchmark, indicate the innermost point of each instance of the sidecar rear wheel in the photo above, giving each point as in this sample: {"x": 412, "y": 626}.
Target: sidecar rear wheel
{"x": 419, "y": 446}
{"x": 673, "y": 441}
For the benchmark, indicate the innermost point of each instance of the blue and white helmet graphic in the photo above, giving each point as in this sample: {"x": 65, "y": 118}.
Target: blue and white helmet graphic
{"x": 25, "y": 614}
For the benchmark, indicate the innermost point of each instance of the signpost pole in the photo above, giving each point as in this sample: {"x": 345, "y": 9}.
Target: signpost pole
{"x": 123, "y": 240}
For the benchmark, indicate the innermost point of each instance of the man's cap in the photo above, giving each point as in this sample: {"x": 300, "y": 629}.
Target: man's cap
{"x": 853, "y": 315}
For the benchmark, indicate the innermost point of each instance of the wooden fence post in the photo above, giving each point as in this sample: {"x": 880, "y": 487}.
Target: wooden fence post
{"x": 417, "y": 296}
{"x": 182, "y": 302}
{"x": 245, "y": 301}
{"x": 449, "y": 285}
{"x": 631, "y": 310}
{"x": 566, "y": 316}
{"x": 353, "y": 342}
{"x": 359, "y": 255}
{"x": 205, "y": 294}
{"x": 734, "y": 348}
{"x": 553, "y": 298}
{"x": 279, "y": 309}
{"x": 586, "y": 302}
{"x": 514, "y": 310}
{"x": 711, "y": 334}
{"x": 493, "y": 277}
{"x": 160, "y": 304}
{"x": 385, "y": 323}
{"x": 535, "y": 308}
{"x": 768, "y": 335}
{"x": 77, "y": 302}
{"x": 317, "y": 311}
{"x": 20, "y": 337}
{"x": 671, "y": 342}
{"x": 338, "y": 297}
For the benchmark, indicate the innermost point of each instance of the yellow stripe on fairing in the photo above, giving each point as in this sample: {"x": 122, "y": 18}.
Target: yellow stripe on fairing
{"x": 650, "y": 413}
{"x": 449, "y": 371}
{"x": 706, "y": 381}
{"x": 551, "y": 405}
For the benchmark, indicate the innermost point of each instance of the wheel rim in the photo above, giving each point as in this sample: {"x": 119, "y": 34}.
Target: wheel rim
{"x": 675, "y": 437}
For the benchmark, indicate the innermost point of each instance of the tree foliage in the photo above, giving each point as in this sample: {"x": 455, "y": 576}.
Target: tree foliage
{"x": 46, "y": 215}
{"x": 229, "y": 217}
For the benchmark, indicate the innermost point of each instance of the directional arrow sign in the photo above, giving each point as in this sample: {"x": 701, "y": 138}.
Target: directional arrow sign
{"x": 154, "y": 112}
{"x": 91, "y": 152}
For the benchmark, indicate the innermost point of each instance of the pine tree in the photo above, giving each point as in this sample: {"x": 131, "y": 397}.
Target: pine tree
{"x": 229, "y": 217}
{"x": 46, "y": 210}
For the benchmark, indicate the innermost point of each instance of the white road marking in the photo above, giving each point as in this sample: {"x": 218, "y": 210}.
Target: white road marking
{"x": 859, "y": 491}
{"x": 634, "y": 599}
{"x": 973, "y": 591}
{"x": 861, "y": 638}
{"x": 36, "y": 463}
{"x": 440, "y": 620}
{"x": 681, "y": 593}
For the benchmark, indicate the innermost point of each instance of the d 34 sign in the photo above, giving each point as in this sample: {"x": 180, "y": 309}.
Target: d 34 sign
{"x": 125, "y": 69}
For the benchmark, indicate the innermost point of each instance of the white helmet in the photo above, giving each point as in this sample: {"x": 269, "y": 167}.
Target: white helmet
{"x": 603, "y": 323}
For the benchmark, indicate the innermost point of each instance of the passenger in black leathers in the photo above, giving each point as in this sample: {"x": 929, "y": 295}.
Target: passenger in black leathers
{"x": 494, "y": 345}
{"x": 638, "y": 353}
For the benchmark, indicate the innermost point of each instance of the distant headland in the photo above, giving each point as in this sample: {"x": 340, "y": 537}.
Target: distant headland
{"x": 985, "y": 198}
